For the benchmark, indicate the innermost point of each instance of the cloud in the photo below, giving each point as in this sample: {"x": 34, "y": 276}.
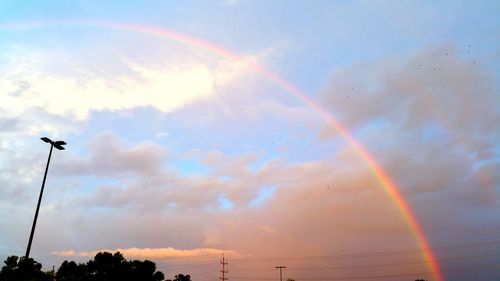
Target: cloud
{"x": 109, "y": 156}
{"x": 165, "y": 89}
{"x": 152, "y": 253}
{"x": 65, "y": 84}
{"x": 9, "y": 124}
{"x": 130, "y": 196}
{"x": 302, "y": 216}
{"x": 422, "y": 114}
{"x": 435, "y": 87}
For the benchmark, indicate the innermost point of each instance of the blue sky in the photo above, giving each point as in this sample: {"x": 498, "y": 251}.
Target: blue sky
{"x": 177, "y": 149}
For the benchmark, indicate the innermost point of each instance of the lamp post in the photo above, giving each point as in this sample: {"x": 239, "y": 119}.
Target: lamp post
{"x": 58, "y": 145}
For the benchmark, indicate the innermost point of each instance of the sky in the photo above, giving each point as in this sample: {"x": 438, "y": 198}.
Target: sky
{"x": 345, "y": 140}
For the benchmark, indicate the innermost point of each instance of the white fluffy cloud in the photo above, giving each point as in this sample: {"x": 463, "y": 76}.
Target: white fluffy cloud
{"x": 164, "y": 89}
{"x": 70, "y": 86}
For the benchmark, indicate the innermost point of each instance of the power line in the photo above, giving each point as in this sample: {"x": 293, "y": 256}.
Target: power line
{"x": 455, "y": 243}
{"x": 376, "y": 254}
{"x": 380, "y": 276}
{"x": 370, "y": 266}
{"x": 206, "y": 263}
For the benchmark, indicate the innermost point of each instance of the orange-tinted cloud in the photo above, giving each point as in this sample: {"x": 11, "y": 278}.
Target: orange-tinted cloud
{"x": 152, "y": 253}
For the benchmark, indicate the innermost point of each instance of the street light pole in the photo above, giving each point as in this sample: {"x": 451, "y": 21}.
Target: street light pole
{"x": 58, "y": 145}
{"x": 280, "y": 268}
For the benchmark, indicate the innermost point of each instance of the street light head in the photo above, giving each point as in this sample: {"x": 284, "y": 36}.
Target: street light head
{"x": 59, "y": 143}
{"x": 59, "y": 147}
{"x": 46, "y": 139}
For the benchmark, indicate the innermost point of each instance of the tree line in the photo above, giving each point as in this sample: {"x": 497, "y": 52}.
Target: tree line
{"x": 103, "y": 267}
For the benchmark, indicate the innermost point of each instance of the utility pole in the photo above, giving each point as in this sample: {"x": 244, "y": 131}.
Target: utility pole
{"x": 223, "y": 271}
{"x": 280, "y": 267}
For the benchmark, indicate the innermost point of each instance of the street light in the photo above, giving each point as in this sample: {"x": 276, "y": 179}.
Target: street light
{"x": 58, "y": 145}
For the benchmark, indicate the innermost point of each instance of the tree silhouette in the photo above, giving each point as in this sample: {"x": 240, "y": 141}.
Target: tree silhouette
{"x": 70, "y": 271}
{"x": 22, "y": 269}
{"x": 182, "y": 277}
{"x": 145, "y": 271}
{"x": 103, "y": 267}
{"x": 109, "y": 267}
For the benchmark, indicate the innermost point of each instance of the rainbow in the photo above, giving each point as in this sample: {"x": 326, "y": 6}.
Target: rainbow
{"x": 378, "y": 172}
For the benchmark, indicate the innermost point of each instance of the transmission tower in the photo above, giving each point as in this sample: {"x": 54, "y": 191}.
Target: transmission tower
{"x": 223, "y": 271}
